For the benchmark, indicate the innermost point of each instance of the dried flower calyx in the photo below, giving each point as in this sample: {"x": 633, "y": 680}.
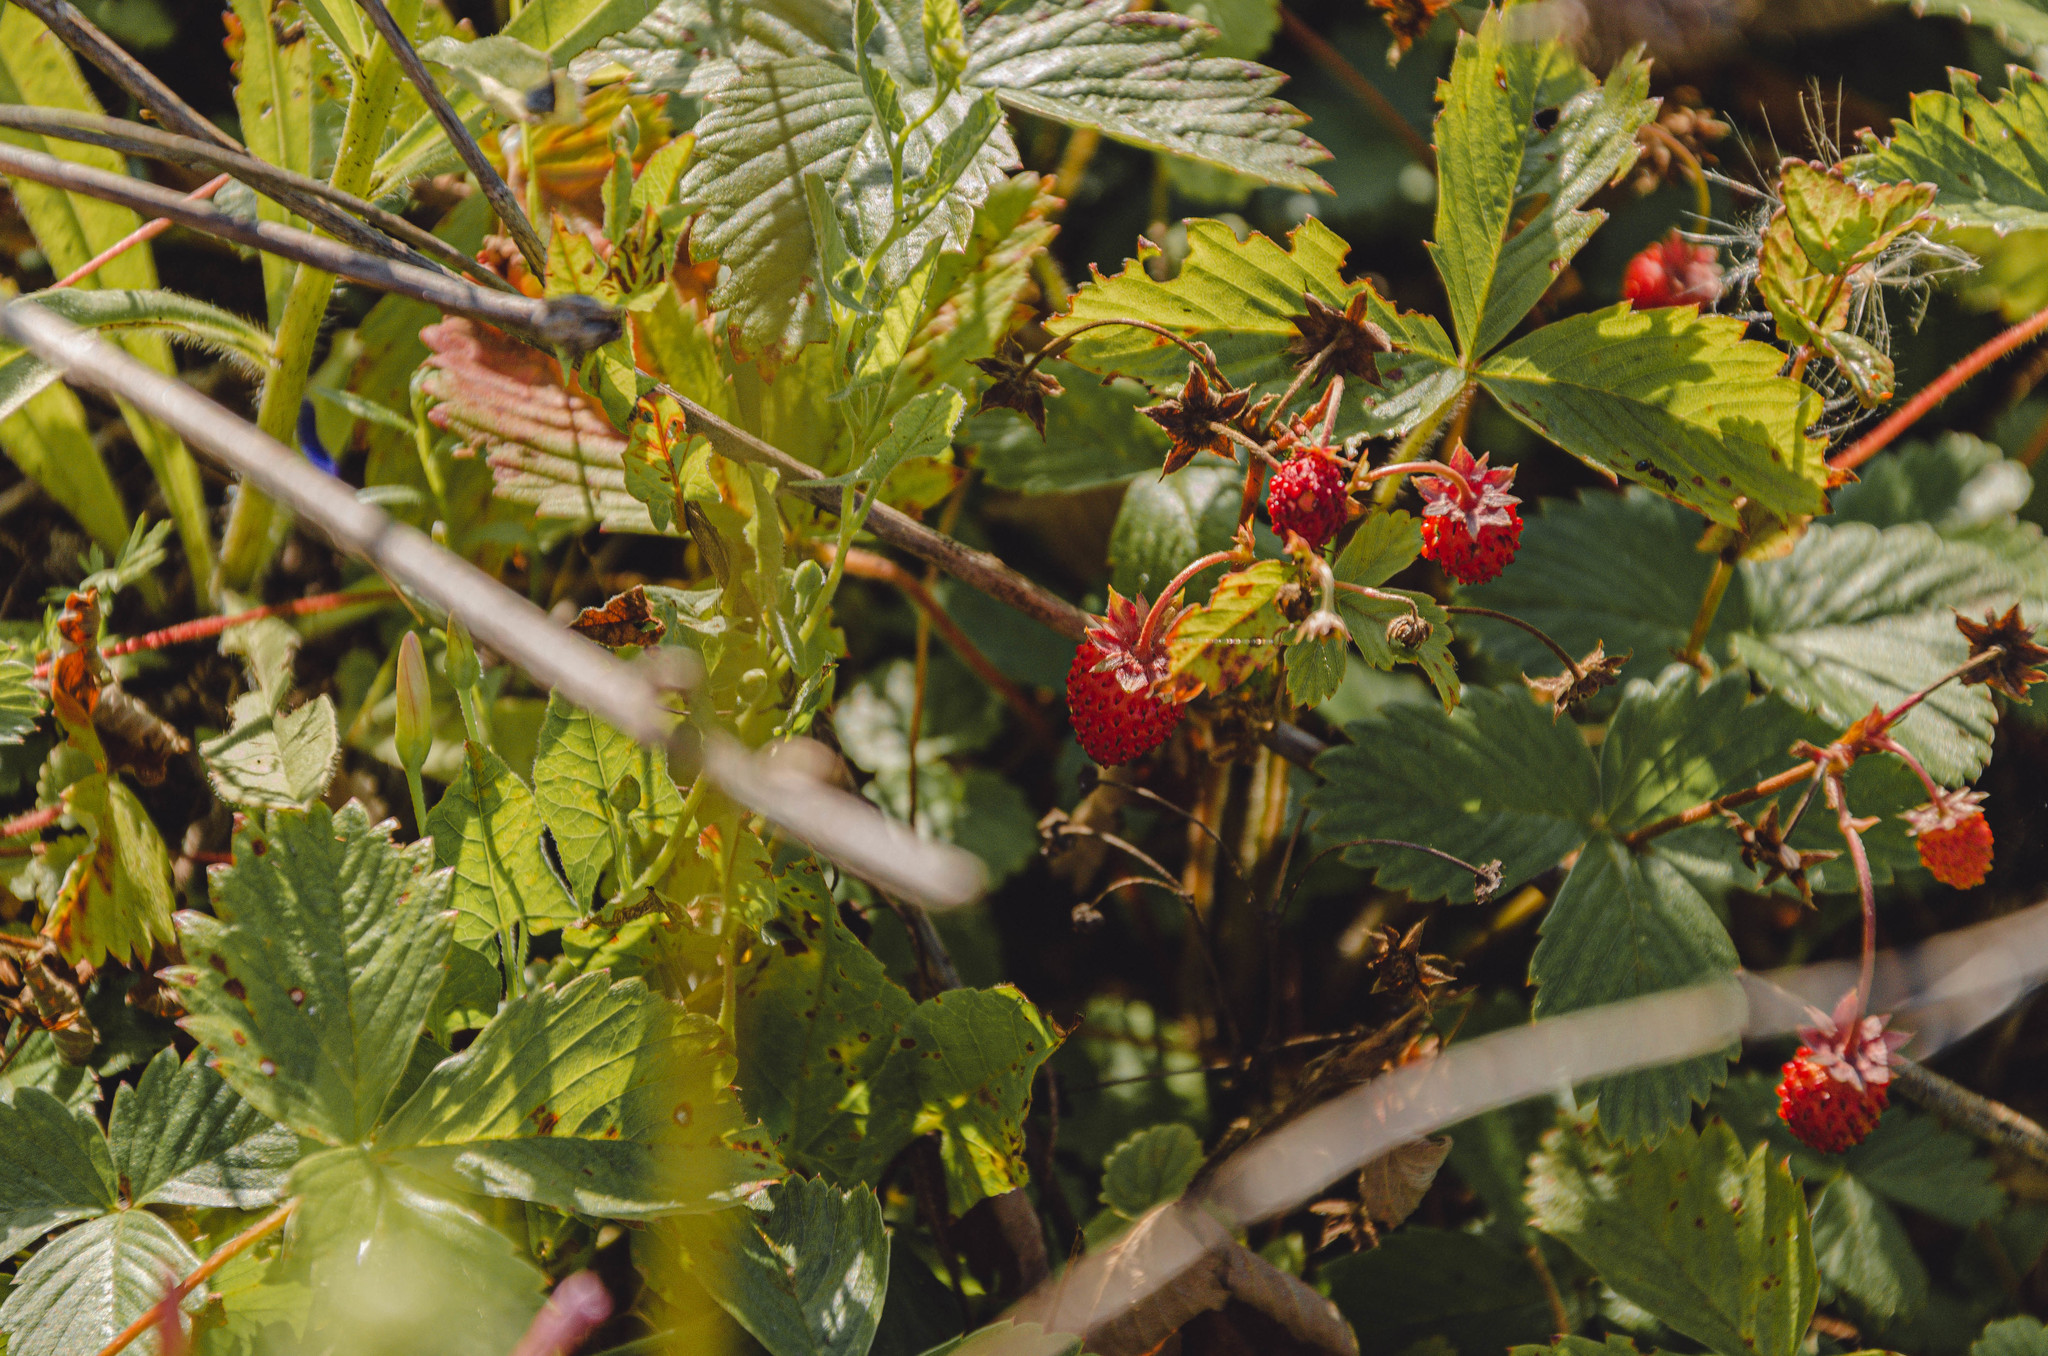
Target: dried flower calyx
{"x": 1017, "y": 385}
{"x": 1354, "y": 343}
{"x": 1597, "y": 670}
{"x": 2018, "y": 665}
{"x": 1190, "y": 418}
{"x": 1399, "y": 966}
{"x": 1764, "y": 849}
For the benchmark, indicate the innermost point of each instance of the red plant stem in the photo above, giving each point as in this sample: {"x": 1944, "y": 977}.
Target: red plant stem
{"x": 205, "y": 628}
{"x": 1847, "y": 823}
{"x": 1891, "y": 717}
{"x": 1769, "y": 786}
{"x": 1165, "y": 599}
{"x": 225, "y": 1253}
{"x": 1893, "y": 746}
{"x": 1987, "y": 353}
{"x": 35, "y": 821}
{"x": 149, "y": 230}
{"x": 1402, "y": 468}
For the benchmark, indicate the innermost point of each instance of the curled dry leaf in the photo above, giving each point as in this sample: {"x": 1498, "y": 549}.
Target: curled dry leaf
{"x": 625, "y": 619}
{"x": 1597, "y": 670}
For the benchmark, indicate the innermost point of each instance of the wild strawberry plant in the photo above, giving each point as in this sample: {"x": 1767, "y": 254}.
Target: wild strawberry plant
{"x": 1010, "y": 762}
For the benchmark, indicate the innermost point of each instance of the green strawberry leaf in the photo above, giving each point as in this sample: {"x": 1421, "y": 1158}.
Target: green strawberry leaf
{"x": 1150, "y": 1168}
{"x": 1861, "y": 1251}
{"x": 1165, "y": 523}
{"x": 1497, "y": 778}
{"x": 21, "y": 701}
{"x": 1094, "y": 435}
{"x": 1383, "y": 546}
{"x": 1976, "y": 152}
{"x": 115, "y": 899}
{"x": 1673, "y": 399}
{"x": 804, "y": 1269}
{"x": 86, "y": 1285}
{"x": 2021, "y": 1336}
{"x": 1237, "y": 633}
{"x": 54, "y": 1168}
{"x": 182, "y": 1136}
{"x": 1507, "y": 212}
{"x": 274, "y": 760}
{"x": 386, "y": 1252}
{"x": 1625, "y": 925}
{"x": 1421, "y": 1283}
{"x": 487, "y": 827}
{"x": 1853, "y": 617}
{"x": 1840, "y": 225}
{"x": 605, "y": 799}
{"x": 600, "y": 1098}
{"x": 1710, "y": 1240}
{"x": 310, "y": 986}
{"x": 1959, "y": 485}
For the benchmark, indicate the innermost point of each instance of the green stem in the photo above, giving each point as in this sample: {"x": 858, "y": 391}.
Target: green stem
{"x": 252, "y": 533}
{"x": 419, "y": 800}
{"x": 1717, "y": 588}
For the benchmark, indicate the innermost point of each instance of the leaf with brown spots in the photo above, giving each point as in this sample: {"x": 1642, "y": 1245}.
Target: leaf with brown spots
{"x": 598, "y": 1097}
{"x": 625, "y": 619}
{"x": 115, "y": 900}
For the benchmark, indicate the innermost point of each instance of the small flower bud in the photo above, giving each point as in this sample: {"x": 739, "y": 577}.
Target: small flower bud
{"x": 460, "y": 662}
{"x": 1408, "y": 632}
{"x": 415, "y": 730}
{"x": 626, "y": 132}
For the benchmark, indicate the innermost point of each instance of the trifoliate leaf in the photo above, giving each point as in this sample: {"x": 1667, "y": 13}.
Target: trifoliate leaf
{"x": 804, "y": 1269}
{"x": 1710, "y": 1240}
{"x": 73, "y": 1296}
{"x": 1151, "y": 1167}
{"x": 600, "y": 1098}
{"x": 1678, "y": 401}
{"x": 1423, "y": 1282}
{"x": 274, "y": 760}
{"x": 310, "y": 987}
{"x": 1625, "y": 925}
{"x": 1507, "y": 218}
{"x": 1974, "y": 151}
{"x": 54, "y": 1168}
{"x": 182, "y": 1136}
{"x": 487, "y": 827}
{"x": 1853, "y": 617}
{"x": 398, "y": 1266}
{"x": 115, "y": 900}
{"x": 603, "y": 797}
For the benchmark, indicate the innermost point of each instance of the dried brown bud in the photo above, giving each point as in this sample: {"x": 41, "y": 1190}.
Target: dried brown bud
{"x": 1355, "y": 343}
{"x": 1597, "y": 670}
{"x": 1190, "y": 418}
{"x": 1764, "y": 849}
{"x": 1409, "y": 631}
{"x": 1017, "y": 386}
{"x": 2018, "y": 665}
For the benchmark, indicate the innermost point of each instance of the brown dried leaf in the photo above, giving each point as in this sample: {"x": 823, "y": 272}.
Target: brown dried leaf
{"x": 625, "y": 619}
{"x": 1392, "y": 1185}
{"x": 137, "y": 740}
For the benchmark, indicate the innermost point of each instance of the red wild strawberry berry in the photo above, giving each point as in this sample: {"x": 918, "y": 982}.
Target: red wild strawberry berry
{"x": 1110, "y": 685}
{"x": 1473, "y": 529}
{"x": 1673, "y": 272}
{"x": 1836, "y": 1087}
{"x": 1307, "y": 496}
{"x": 1954, "y": 837}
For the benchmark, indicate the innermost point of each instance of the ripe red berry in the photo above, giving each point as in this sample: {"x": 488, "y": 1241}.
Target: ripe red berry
{"x": 1307, "y": 496}
{"x": 1827, "y": 1113}
{"x": 1110, "y": 686}
{"x": 1836, "y": 1087}
{"x": 1473, "y": 529}
{"x": 1673, "y": 272}
{"x": 1954, "y": 838}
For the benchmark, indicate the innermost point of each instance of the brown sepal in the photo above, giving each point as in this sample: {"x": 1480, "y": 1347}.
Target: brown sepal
{"x": 1408, "y": 21}
{"x": 1358, "y": 342}
{"x": 1015, "y": 386}
{"x": 1190, "y": 418}
{"x": 2015, "y": 670}
{"x": 1597, "y": 670}
{"x": 1764, "y": 849}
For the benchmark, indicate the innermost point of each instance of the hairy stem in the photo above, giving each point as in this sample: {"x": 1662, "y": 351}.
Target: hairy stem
{"x": 147, "y": 231}
{"x": 1149, "y": 632}
{"x": 1402, "y": 468}
{"x": 1865, "y": 889}
{"x": 1769, "y": 786}
{"x": 1985, "y": 354}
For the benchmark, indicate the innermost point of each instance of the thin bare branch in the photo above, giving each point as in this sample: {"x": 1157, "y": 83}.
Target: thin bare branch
{"x": 320, "y": 203}
{"x": 82, "y": 36}
{"x": 577, "y": 324}
{"x": 495, "y": 188}
{"x": 630, "y": 697}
